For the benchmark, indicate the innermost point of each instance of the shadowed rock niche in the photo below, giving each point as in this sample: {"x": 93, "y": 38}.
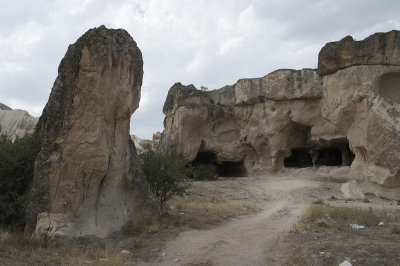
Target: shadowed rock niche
{"x": 88, "y": 179}
{"x": 338, "y": 154}
{"x": 225, "y": 168}
{"x": 389, "y": 86}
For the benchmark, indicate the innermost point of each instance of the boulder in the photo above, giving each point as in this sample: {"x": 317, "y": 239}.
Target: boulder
{"x": 253, "y": 126}
{"x": 361, "y": 96}
{"x": 87, "y": 178}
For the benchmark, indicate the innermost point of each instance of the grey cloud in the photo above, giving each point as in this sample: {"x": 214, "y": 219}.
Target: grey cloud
{"x": 181, "y": 41}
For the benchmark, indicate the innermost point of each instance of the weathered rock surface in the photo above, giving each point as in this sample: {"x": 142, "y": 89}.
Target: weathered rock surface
{"x": 362, "y": 98}
{"x": 256, "y": 123}
{"x": 16, "y": 123}
{"x": 4, "y": 107}
{"x": 88, "y": 179}
{"x": 377, "y": 49}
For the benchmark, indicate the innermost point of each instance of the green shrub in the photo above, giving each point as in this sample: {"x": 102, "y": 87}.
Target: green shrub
{"x": 167, "y": 175}
{"x": 16, "y": 173}
{"x": 204, "y": 172}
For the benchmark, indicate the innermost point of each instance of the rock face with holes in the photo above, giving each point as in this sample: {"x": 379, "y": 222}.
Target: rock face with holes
{"x": 361, "y": 86}
{"x": 16, "y": 123}
{"x": 88, "y": 179}
{"x": 254, "y": 126}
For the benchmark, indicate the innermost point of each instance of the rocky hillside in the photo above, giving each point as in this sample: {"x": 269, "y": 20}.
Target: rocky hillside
{"x": 4, "y": 107}
{"x": 16, "y": 123}
{"x": 143, "y": 144}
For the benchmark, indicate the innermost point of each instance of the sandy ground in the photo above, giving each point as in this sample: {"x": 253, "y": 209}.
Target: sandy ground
{"x": 246, "y": 240}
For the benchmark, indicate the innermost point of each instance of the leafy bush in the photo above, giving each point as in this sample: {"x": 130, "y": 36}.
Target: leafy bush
{"x": 167, "y": 175}
{"x": 16, "y": 173}
{"x": 204, "y": 172}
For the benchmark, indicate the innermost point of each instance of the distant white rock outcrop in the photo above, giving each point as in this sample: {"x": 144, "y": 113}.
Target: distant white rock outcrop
{"x": 16, "y": 123}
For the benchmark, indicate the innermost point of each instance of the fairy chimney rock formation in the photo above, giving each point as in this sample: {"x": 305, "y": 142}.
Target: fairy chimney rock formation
{"x": 361, "y": 86}
{"x": 88, "y": 179}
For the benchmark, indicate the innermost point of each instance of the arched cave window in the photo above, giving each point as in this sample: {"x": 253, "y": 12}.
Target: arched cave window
{"x": 389, "y": 86}
{"x": 299, "y": 159}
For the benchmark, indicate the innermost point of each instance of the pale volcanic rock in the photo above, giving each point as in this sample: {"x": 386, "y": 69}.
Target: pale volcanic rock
{"x": 363, "y": 100}
{"x": 143, "y": 145}
{"x": 4, "y": 107}
{"x": 88, "y": 179}
{"x": 377, "y": 49}
{"x": 16, "y": 123}
{"x": 256, "y": 121}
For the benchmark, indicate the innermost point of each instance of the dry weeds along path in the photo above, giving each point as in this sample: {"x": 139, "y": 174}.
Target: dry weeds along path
{"x": 246, "y": 240}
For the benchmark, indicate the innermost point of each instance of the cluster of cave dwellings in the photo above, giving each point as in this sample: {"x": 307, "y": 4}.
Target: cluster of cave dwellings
{"x": 338, "y": 154}
{"x": 333, "y": 155}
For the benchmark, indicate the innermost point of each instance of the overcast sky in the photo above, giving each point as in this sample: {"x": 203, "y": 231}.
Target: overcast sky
{"x": 211, "y": 43}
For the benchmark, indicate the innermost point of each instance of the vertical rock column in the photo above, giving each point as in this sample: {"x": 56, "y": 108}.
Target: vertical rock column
{"x": 88, "y": 178}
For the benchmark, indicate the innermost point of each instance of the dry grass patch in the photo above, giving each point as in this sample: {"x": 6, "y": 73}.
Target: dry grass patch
{"x": 17, "y": 249}
{"x": 340, "y": 218}
{"x": 192, "y": 212}
{"x": 197, "y": 212}
{"x": 323, "y": 236}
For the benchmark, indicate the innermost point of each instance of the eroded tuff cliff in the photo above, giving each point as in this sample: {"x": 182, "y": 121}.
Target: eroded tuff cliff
{"x": 361, "y": 86}
{"x": 301, "y": 118}
{"x": 87, "y": 177}
{"x": 16, "y": 123}
{"x": 254, "y": 126}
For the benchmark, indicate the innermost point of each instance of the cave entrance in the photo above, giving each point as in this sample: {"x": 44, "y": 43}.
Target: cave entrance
{"x": 231, "y": 169}
{"x": 205, "y": 158}
{"x": 224, "y": 169}
{"x": 337, "y": 154}
{"x": 329, "y": 157}
{"x": 299, "y": 159}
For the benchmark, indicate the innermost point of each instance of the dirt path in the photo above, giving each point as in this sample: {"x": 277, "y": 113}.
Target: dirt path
{"x": 246, "y": 240}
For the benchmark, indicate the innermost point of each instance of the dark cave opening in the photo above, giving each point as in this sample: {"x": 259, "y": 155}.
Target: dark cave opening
{"x": 337, "y": 154}
{"x": 224, "y": 169}
{"x": 299, "y": 159}
{"x": 329, "y": 157}
{"x": 231, "y": 169}
{"x": 205, "y": 158}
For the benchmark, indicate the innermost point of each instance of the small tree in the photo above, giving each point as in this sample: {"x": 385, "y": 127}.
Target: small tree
{"x": 205, "y": 172}
{"x": 203, "y": 88}
{"x": 17, "y": 161}
{"x": 167, "y": 175}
